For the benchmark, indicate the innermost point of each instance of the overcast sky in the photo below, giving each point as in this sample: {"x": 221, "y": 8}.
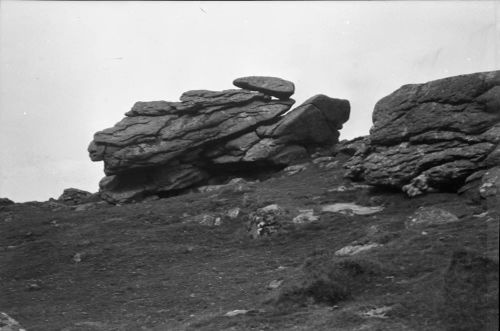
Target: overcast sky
{"x": 69, "y": 69}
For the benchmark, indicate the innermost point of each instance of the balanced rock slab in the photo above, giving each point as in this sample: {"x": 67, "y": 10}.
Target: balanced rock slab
{"x": 432, "y": 136}
{"x": 272, "y": 86}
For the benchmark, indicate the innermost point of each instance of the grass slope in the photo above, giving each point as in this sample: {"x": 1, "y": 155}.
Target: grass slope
{"x": 143, "y": 267}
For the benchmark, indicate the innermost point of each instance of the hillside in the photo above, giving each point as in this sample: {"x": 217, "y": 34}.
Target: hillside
{"x": 152, "y": 266}
{"x": 231, "y": 210}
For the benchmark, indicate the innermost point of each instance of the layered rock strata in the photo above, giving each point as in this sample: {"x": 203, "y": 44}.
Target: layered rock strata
{"x": 433, "y": 136}
{"x": 163, "y": 147}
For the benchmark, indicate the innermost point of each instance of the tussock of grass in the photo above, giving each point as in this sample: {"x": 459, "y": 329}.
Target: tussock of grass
{"x": 471, "y": 292}
{"x": 328, "y": 280}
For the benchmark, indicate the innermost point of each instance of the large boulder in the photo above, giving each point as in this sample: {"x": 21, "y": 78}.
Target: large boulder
{"x": 432, "y": 136}
{"x": 164, "y": 147}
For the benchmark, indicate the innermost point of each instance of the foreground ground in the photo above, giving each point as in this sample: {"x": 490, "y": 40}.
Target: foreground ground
{"x": 152, "y": 266}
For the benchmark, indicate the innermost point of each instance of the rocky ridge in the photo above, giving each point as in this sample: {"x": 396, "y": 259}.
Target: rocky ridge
{"x": 163, "y": 147}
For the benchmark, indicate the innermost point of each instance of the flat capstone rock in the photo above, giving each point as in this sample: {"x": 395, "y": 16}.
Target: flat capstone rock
{"x": 273, "y": 86}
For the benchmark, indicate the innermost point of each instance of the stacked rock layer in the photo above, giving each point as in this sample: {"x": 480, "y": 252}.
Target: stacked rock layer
{"x": 433, "y": 136}
{"x": 162, "y": 147}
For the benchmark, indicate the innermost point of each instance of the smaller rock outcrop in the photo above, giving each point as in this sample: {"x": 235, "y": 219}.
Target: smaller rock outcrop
{"x": 426, "y": 216}
{"x": 74, "y": 196}
{"x": 266, "y": 221}
{"x": 432, "y": 136}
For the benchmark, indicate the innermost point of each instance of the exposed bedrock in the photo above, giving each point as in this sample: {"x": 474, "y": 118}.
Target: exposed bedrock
{"x": 432, "y": 136}
{"x": 164, "y": 147}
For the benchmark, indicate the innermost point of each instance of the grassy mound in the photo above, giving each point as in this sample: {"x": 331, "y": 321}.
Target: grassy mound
{"x": 471, "y": 292}
{"x": 328, "y": 280}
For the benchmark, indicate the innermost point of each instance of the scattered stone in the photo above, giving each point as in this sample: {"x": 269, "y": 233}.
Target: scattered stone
{"x": 233, "y": 213}
{"x": 355, "y": 249}
{"x": 329, "y": 165}
{"x": 379, "y": 312}
{"x": 340, "y": 188}
{"x": 77, "y": 258}
{"x": 272, "y": 86}
{"x": 323, "y": 159}
{"x": 87, "y": 206}
{"x": 266, "y": 221}
{"x": 274, "y": 284}
{"x": 94, "y": 325}
{"x": 305, "y": 216}
{"x": 425, "y": 216}
{"x": 273, "y": 208}
{"x": 353, "y": 187}
{"x": 295, "y": 169}
{"x": 351, "y": 208}
{"x": 235, "y": 185}
{"x": 206, "y": 219}
{"x": 150, "y": 198}
{"x": 236, "y": 312}
{"x": 490, "y": 188}
{"x": 35, "y": 286}
{"x": 432, "y": 136}
{"x": 481, "y": 215}
{"x": 55, "y": 206}
{"x": 7, "y": 323}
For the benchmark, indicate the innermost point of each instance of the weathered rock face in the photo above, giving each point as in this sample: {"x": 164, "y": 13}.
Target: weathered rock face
{"x": 163, "y": 147}
{"x": 432, "y": 136}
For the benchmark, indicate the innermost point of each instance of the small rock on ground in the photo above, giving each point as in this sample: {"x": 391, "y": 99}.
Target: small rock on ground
{"x": 355, "y": 249}
{"x": 236, "y": 312}
{"x": 351, "y": 208}
{"x": 265, "y": 221}
{"x": 305, "y": 216}
{"x": 7, "y": 323}
{"x": 425, "y": 216}
{"x": 295, "y": 169}
{"x": 275, "y": 284}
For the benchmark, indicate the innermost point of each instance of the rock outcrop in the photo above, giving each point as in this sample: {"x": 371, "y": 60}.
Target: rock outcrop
{"x": 6, "y": 202}
{"x": 432, "y": 136}
{"x": 208, "y": 137}
{"x": 74, "y": 196}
